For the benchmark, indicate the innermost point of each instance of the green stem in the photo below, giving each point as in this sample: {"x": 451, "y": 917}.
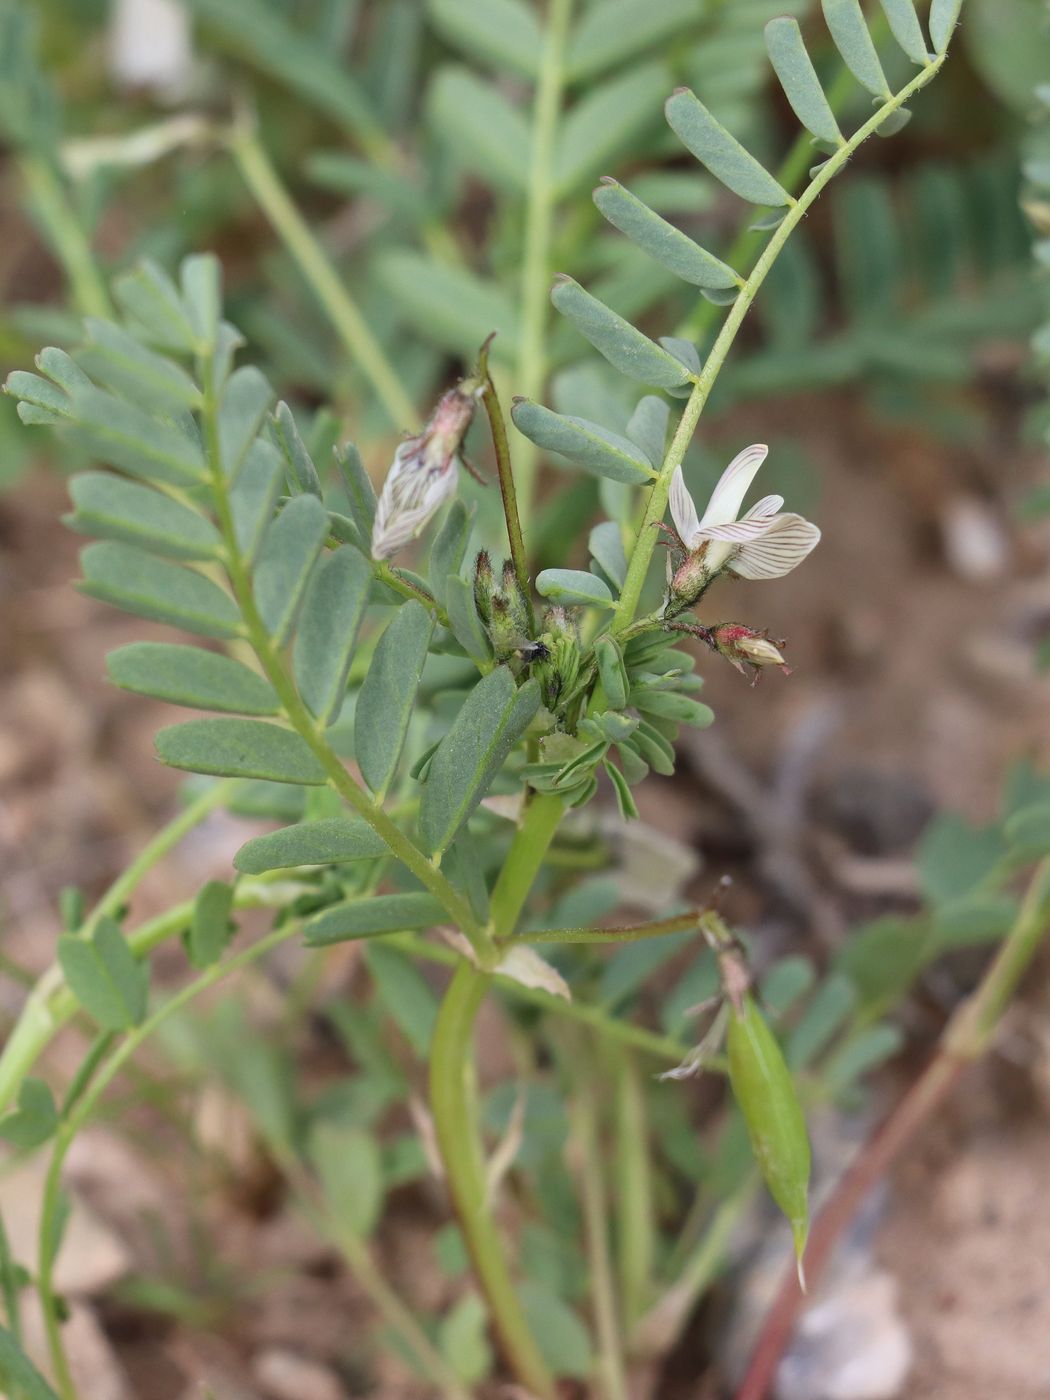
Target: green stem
{"x": 265, "y": 184}
{"x": 82, "y": 1110}
{"x": 62, "y": 227}
{"x": 642, "y": 553}
{"x": 309, "y": 729}
{"x": 453, "y": 1104}
{"x": 540, "y": 822}
{"x": 535, "y": 275}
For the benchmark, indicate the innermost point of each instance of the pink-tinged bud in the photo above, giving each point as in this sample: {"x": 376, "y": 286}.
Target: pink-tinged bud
{"x": 423, "y": 474}
{"x": 749, "y": 651}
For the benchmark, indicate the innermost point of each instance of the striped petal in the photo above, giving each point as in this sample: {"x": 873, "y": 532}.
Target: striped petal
{"x": 728, "y": 495}
{"x": 784, "y": 543}
{"x": 683, "y": 510}
{"x": 768, "y": 505}
{"x": 738, "y": 531}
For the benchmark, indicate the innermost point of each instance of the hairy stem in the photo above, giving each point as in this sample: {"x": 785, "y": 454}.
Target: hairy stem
{"x": 965, "y": 1038}
{"x": 313, "y": 262}
{"x": 539, "y": 212}
{"x": 642, "y": 553}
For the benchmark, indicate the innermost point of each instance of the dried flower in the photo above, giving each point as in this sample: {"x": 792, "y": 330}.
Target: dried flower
{"x": 423, "y": 474}
{"x": 761, "y": 544}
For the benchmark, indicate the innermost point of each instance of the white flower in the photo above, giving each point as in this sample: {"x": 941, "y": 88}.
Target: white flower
{"x": 150, "y": 46}
{"x": 763, "y": 543}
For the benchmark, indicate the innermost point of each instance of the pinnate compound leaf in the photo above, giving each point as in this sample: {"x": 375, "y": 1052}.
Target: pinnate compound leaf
{"x": 138, "y": 583}
{"x": 485, "y": 131}
{"x": 111, "y": 507}
{"x": 590, "y": 446}
{"x": 849, "y": 30}
{"x": 245, "y": 402}
{"x": 32, "y": 1122}
{"x": 302, "y": 473}
{"x": 350, "y": 1166}
{"x": 326, "y": 841}
{"x": 239, "y": 748}
{"x": 573, "y": 586}
{"x": 503, "y": 32}
{"x": 794, "y": 67}
{"x": 18, "y": 1373}
{"x": 210, "y": 929}
{"x": 128, "y": 437}
{"x": 289, "y": 551}
{"x": 116, "y": 359}
{"x": 907, "y": 30}
{"x": 335, "y": 603}
{"x": 373, "y": 914}
{"x": 150, "y": 299}
{"x": 384, "y": 706}
{"x": 662, "y": 241}
{"x": 491, "y": 720}
{"x": 720, "y": 152}
{"x": 254, "y": 496}
{"x": 191, "y": 676}
{"x": 625, "y": 347}
{"x": 104, "y": 976}
{"x": 944, "y": 16}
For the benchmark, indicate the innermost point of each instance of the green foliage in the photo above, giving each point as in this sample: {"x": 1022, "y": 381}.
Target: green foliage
{"x": 103, "y": 975}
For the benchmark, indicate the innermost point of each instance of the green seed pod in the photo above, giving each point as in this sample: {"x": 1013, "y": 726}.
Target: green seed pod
{"x": 612, "y": 672}
{"x": 765, "y": 1091}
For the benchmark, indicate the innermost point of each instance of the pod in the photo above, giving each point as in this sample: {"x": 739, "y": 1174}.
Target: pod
{"x": 765, "y": 1091}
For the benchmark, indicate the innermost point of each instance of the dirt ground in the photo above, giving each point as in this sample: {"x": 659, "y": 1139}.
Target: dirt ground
{"x": 911, "y": 633}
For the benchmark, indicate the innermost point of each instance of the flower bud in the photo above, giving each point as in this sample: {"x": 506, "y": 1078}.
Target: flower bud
{"x": 423, "y": 474}
{"x": 519, "y": 610}
{"x": 559, "y": 671}
{"x": 746, "y": 649}
{"x": 484, "y": 585}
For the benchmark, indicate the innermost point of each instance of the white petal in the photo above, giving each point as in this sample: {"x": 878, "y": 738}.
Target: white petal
{"x": 768, "y": 505}
{"x": 778, "y": 550}
{"x": 728, "y": 495}
{"x": 683, "y": 511}
{"x": 751, "y": 527}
